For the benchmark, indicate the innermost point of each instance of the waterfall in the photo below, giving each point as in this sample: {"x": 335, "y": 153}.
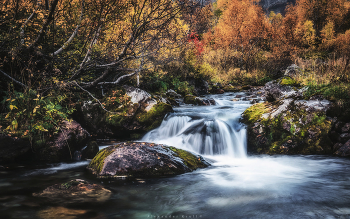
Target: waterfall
{"x": 206, "y": 130}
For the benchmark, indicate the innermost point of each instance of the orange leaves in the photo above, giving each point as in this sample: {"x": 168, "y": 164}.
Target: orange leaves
{"x": 240, "y": 22}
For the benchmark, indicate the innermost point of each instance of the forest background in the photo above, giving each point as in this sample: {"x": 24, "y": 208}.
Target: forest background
{"x": 56, "y": 54}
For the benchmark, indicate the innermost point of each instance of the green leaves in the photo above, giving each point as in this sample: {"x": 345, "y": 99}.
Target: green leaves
{"x": 31, "y": 114}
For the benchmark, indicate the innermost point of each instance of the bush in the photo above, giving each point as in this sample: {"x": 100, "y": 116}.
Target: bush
{"x": 29, "y": 114}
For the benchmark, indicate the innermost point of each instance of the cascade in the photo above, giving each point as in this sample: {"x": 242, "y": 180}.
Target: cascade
{"x": 206, "y": 130}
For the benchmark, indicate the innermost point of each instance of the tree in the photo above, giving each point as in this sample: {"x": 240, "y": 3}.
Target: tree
{"x": 84, "y": 43}
{"x": 242, "y": 27}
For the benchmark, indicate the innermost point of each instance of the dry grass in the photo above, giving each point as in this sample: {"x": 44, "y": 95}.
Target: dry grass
{"x": 331, "y": 71}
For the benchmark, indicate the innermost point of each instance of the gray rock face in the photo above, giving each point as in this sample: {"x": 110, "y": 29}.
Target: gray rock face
{"x": 143, "y": 159}
{"x": 314, "y": 105}
{"x": 137, "y": 95}
{"x": 292, "y": 71}
{"x": 278, "y": 6}
{"x": 275, "y": 91}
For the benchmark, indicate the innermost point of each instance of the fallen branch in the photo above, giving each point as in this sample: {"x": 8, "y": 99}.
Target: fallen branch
{"x": 14, "y": 80}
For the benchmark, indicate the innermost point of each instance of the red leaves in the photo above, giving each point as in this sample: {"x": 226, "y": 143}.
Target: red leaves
{"x": 193, "y": 37}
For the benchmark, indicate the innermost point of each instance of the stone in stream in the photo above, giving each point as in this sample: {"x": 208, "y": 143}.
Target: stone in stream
{"x": 143, "y": 159}
{"x": 190, "y": 99}
{"x": 75, "y": 192}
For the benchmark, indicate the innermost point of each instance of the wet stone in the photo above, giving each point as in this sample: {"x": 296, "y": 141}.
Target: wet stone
{"x": 75, "y": 192}
{"x": 143, "y": 159}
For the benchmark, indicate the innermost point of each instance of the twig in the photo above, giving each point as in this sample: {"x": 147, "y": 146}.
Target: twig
{"x": 94, "y": 98}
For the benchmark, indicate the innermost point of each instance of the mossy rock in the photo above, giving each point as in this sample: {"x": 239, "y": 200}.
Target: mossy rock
{"x": 293, "y": 131}
{"x": 75, "y": 192}
{"x": 289, "y": 82}
{"x": 230, "y": 88}
{"x": 154, "y": 117}
{"x": 134, "y": 159}
{"x": 190, "y": 99}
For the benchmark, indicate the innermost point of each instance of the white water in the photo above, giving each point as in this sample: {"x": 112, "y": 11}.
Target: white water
{"x": 235, "y": 186}
{"x": 206, "y": 130}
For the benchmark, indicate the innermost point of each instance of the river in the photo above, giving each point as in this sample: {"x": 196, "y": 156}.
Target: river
{"x": 236, "y": 185}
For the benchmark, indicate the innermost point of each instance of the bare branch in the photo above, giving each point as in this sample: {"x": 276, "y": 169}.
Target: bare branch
{"x": 94, "y": 98}
{"x": 26, "y": 22}
{"x": 14, "y": 80}
{"x": 73, "y": 34}
{"x": 82, "y": 64}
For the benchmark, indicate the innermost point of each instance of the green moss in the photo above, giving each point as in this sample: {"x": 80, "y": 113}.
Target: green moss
{"x": 307, "y": 134}
{"x": 69, "y": 184}
{"x": 97, "y": 162}
{"x": 189, "y": 159}
{"x": 190, "y": 99}
{"x": 154, "y": 117}
{"x": 289, "y": 81}
{"x": 254, "y": 113}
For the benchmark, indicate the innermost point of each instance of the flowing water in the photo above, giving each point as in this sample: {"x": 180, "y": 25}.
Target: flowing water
{"x": 235, "y": 186}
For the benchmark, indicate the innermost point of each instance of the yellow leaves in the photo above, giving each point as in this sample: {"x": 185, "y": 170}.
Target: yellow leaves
{"x": 35, "y": 108}
{"x": 14, "y": 125}
{"x": 306, "y": 33}
{"x": 13, "y": 107}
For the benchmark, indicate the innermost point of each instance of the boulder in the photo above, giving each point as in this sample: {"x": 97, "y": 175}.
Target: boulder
{"x": 75, "y": 192}
{"x": 141, "y": 114}
{"x": 137, "y": 95}
{"x": 289, "y": 126}
{"x": 143, "y": 159}
{"x": 173, "y": 94}
{"x": 190, "y": 99}
{"x": 274, "y": 91}
{"x": 70, "y": 138}
{"x": 93, "y": 118}
{"x": 292, "y": 71}
{"x": 12, "y": 148}
{"x": 344, "y": 151}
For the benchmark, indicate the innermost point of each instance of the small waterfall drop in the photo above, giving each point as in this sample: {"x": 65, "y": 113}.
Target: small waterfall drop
{"x": 206, "y": 130}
